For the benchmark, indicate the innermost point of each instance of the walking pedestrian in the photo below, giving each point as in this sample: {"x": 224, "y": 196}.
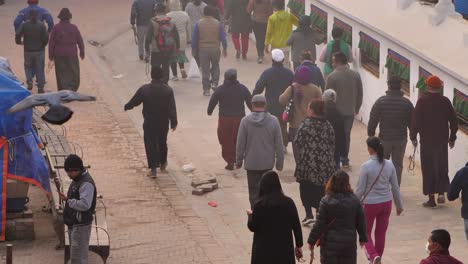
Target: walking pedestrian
{"x": 240, "y": 26}
{"x": 184, "y": 29}
{"x": 301, "y": 92}
{"x": 460, "y": 184}
{"x": 219, "y": 5}
{"x": 162, "y": 39}
{"x": 141, "y": 13}
{"x": 303, "y": 39}
{"x": 315, "y": 141}
{"x": 340, "y": 217}
{"x": 392, "y": 112}
{"x": 63, "y": 42}
{"x": 332, "y": 47}
{"x": 206, "y": 38}
{"x": 335, "y": 118}
{"x": 435, "y": 120}
{"x": 273, "y": 221}
{"x": 33, "y": 35}
{"x": 376, "y": 186}
{"x": 159, "y": 111}
{"x": 194, "y": 10}
{"x": 437, "y": 246}
{"x": 80, "y": 204}
{"x": 274, "y": 81}
{"x": 348, "y": 86}
{"x": 261, "y": 11}
{"x": 316, "y": 76}
{"x": 259, "y": 145}
{"x": 279, "y": 27}
{"x": 43, "y": 15}
{"x": 231, "y": 96}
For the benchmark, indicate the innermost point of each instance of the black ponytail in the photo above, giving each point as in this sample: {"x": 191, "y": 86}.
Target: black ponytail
{"x": 376, "y": 144}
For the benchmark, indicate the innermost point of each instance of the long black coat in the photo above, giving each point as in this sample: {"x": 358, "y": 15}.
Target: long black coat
{"x": 339, "y": 236}
{"x": 240, "y": 18}
{"x": 273, "y": 228}
{"x": 336, "y": 120}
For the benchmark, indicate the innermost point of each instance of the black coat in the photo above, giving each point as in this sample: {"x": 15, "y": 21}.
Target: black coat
{"x": 460, "y": 184}
{"x": 240, "y": 18}
{"x": 336, "y": 120}
{"x": 273, "y": 228}
{"x": 231, "y": 96}
{"x": 339, "y": 237}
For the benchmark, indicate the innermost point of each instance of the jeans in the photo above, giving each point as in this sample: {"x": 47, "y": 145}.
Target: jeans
{"x": 161, "y": 59}
{"x": 174, "y": 68}
{"x": 155, "y": 144}
{"x": 141, "y": 35}
{"x": 396, "y": 150}
{"x": 348, "y": 126}
{"x": 259, "y": 30}
{"x": 380, "y": 213}
{"x": 253, "y": 181}
{"x": 245, "y": 42}
{"x": 209, "y": 60}
{"x": 34, "y": 66}
{"x": 79, "y": 243}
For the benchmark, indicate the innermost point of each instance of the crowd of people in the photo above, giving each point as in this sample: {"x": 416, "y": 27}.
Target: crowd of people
{"x": 311, "y": 108}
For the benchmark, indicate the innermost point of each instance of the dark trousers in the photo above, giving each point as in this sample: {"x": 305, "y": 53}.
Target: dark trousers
{"x": 348, "y": 126}
{"x": 395, "y": 149}
{"x": 174, "y": 68}
{"x": 227, "y": 136}
{"x": 34, "y": 66}
{"x": 155, "y": 144}
{"x": 259, "y": 30}
{"x": 161, "y": 59}
{"x": 253, "y": 181}
{"x": 67, "y": 72}
{"x": 284, "y": 129}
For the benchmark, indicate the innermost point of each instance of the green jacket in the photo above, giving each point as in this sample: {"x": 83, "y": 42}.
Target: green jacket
{"x": 280, "y": 25}
{"x": 343, "y": 48}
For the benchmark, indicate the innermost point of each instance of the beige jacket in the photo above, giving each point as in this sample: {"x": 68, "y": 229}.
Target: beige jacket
{"x": 309, "y": 92}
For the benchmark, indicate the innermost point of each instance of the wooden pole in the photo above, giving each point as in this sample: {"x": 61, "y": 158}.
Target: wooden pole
{"x": 9, "y": 254}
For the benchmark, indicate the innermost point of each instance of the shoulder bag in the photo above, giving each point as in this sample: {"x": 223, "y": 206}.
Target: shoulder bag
{"x": 373, "y": 184}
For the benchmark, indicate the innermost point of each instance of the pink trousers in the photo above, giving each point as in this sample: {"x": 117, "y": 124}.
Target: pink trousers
{"x": 245, "y": 42}
{"x": 380, "y": 213}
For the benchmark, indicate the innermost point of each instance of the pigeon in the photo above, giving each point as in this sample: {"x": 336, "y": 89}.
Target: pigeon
{"x": 57, "y": 113}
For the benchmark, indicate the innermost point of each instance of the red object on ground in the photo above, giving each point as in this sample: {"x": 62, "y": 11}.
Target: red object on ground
{"x": 213, "y": 204}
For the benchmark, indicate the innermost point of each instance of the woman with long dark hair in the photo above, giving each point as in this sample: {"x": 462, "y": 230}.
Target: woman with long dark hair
{"x": 273, "y": 220}
{"x": 334, "y": 46}
{"x": 340, "y": 217}
{"x": 315, "y": 141}
{"x": 376, "y": 186}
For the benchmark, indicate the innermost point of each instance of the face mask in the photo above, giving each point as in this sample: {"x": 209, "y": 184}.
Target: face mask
{"x": 427, "y": 248}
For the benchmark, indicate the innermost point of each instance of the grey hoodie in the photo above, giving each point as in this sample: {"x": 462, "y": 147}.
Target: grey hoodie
{"x": 259, "y": 142}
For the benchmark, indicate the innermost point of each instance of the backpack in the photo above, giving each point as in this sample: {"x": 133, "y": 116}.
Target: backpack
{"x": 166, "y": 39}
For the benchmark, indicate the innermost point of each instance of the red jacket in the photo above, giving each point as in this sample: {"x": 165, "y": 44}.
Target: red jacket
{"x": 440, "y": 258}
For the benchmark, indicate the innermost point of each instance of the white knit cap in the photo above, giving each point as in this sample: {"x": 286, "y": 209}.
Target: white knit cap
{"x": 329, "y": 95}
{"x": 277, "y": 55}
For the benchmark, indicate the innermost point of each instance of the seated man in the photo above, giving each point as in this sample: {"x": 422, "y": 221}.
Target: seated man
{"x": 437, "y": 246}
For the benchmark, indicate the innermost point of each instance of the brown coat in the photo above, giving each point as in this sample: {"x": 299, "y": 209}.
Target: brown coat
{"x": 308, "y": 93}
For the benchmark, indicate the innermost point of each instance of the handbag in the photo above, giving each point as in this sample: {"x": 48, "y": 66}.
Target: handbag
{"x": 372, "y": 186}
{"x": 288, "y": 113}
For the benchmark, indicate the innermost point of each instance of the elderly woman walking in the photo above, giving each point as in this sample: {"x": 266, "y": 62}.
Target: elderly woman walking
{"x": 63, "y": 42}
{"x": 301, "y": 93}
{"x": 273, "y": 221}
{"x": 184, "y": 28}
{"x": 340, "y": 217}
{"x": 315, "y": 141}
{"x": 376, "y": 186}
{"x": 336, "y": 120}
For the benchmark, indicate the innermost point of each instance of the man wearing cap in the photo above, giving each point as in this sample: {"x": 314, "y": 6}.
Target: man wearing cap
{"x": 43, "y": 15}
{"x": 231, "y": 96}
{"x": 259, "y": 145}
{"x": 435, "y": 120}
{"x": 274, "y": 81}
{"x": 392, "y": 112}
{"x": 159, "y": 111}
{"x": 80, "y": 204}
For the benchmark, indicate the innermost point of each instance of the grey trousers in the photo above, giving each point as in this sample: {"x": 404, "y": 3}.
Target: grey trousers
{"x": 34, "y": 66}
{"x": 348, "y": 126}
{"x": 396, "y": 150}
{"x": 209, "y": 60}
{"x": 253, "y": 181}
{"x": 141, "y": 34}
{"x": 79, "y": 243}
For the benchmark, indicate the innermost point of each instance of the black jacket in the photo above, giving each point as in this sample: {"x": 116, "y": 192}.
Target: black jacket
{"x": 72, "y": 217}
{"x": 273, "y": 228}
{"x": 460, "y": 184}
{"x": 159, "y": 105}
{"x": 142, "y": 12}
{"x": 34, "y": 35}
{"x": 339, "y": 237}
{"x": 274, "y": 81}
{"x": 336, "y": 120}
{"x": 393, "y": 111}
{"x": 231, "y": 96}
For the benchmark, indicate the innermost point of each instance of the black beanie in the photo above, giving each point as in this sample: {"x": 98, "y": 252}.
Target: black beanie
{"x": 73, "y": 162}
{"x": 156, "y": 73}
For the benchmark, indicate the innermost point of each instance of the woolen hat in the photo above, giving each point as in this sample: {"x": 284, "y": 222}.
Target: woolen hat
{"x": 156, "y": 73}
{"x": 302, "y": 75}
{"x": 329, "y": 95}
{"x": 259, "y": 99}
{"x": 73, "y": 162}
{"x": 231, "y": 75}
{"x": 65, "y": 14}
{"x": 434, "y": 82}
{"x": 277, "y": 55}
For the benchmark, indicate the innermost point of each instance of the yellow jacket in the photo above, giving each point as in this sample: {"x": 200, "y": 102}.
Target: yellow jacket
{"x": 280, "y": 25}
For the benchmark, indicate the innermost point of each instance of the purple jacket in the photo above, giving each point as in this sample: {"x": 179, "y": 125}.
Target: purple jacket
{"x": 63, "y": 41}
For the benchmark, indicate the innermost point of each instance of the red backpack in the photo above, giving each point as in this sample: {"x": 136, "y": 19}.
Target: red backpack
{"x": 166, "y": 38}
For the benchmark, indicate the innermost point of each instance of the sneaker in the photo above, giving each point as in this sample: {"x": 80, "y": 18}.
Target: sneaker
{"x": 430, "y": 204}
{"x": 174, "y": 78}
{"x": 142, "y": 57}
{"x": 164, "y": 166}
{"x": 206, "y": 93}
{"x": 152, "y": 173}
{"x": 260, "y": 60}
{"x": 184, "y": 74}
{"x": 377, "y": 260}
{"x": 307, "y": 221}
{"x": 441, "y": 199}
{"x": 230, "y": 167}
{"x": 238, "y": 54}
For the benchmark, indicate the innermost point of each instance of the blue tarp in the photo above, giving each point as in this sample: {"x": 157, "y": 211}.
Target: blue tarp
{"x": 20, "y": 156}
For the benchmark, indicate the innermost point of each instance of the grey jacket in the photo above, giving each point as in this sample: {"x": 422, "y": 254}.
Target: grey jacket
{"x": 259, "y": 142}
{"x": 142, "y": 12}
{"x": 300, "y": 43}
{"x": 348, "y": 86}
